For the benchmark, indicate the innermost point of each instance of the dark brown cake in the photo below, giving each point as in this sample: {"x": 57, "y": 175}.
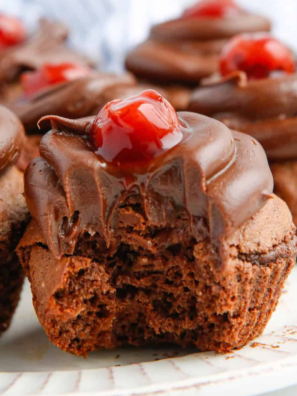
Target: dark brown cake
{"x": 13, "y": 215}
{"x": 189, "y": 248}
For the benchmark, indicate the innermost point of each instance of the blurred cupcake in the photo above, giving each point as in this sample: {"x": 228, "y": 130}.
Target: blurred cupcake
{"x": 20, "y": 51}
{"x": 13, "y": 214}
{"x": 72, "y": 91}
{"x": 186, "y": 49}
{"x": 256, "y": 93}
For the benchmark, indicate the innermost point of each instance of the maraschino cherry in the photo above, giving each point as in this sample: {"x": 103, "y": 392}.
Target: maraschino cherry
{"x": 136, "y": 129}
{"x": 212, "y": 9}
{"x": 12, "y": 31}
{"x": 50, "y": 74}
{"x": 257, "y": 55}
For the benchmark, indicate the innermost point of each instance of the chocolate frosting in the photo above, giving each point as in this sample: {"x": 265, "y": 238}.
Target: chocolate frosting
{"x": 47, "y": 45}
{"x": 210, "y": 28}
{"x": 170, "y": 62}
{"x": 265, "y": 109}
{"x": 11, "y": 138}
{"x": 216, "y": 178}
{"x": 187, "y": 49}
{"x": 85, "y": 97}
{"x": 73, "y": 99}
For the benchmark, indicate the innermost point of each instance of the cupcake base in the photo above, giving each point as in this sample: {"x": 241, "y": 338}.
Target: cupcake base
{"x": 161, "y": 288}
{"x": 29, "y": 152}
{"x": 11, "y": 282}
{"x": 13, "y": 219}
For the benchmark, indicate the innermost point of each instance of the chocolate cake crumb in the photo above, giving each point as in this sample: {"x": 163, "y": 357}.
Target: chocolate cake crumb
{"x": 165, "y": 293}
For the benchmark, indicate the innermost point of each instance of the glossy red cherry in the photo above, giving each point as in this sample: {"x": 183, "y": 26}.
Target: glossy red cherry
{"x": 212, "y": 9}
{"x": 136, "y": 129}
{"x": 12, "y": 31}
{"x": 50, "y": 74}
{"x": 257, "y": 55}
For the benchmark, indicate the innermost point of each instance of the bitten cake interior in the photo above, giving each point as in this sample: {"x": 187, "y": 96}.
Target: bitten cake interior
{"x": 159, "y": 285}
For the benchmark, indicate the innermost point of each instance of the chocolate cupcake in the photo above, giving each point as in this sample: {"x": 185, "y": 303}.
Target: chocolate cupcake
{"x": 13, "y": 215}
{"x": 186, "y": 49}
{"x": 260, "y": 100}
{"x": 151, "y": 226}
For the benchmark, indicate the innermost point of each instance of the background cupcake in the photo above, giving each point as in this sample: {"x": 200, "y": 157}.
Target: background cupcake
{"x": 256, "y": 93}
{"x": 186, "y": 49}
{"x": 21, "y": 51}
{"x": 13, "y": 215}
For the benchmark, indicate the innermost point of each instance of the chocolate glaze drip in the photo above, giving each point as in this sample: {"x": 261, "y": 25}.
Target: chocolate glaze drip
{"x": 216, "y": 178}
{"x": 11, "y": 138}
{"x": 47, "y": 45}
{"x": 187, "y": 49}
{"x": 265, "y": 109}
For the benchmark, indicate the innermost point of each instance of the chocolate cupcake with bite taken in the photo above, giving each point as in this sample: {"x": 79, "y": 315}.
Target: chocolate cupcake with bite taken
{"x": 151, "y": 226}
{"x": 13, "y": 215}
{"x": 256, "y": 94}
{"x": 187, "y": 49}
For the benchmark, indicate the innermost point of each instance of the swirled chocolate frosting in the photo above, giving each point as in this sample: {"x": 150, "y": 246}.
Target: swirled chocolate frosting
{"x": 85, "y": 97}
{"x": 73, "y": 99}
{"x": 47, "y": 45}
{"x": 11, "y": 138}
{"x": 210, "y": 28}
{"x": 216, "y": 178}
{"x": 187, "y": 49}
{"x": 266, "y": 109}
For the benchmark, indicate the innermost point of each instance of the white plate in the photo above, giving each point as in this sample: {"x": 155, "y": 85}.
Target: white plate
{"x": 30, "y": 365}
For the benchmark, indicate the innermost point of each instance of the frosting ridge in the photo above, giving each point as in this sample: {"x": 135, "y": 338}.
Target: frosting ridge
{"x": 187, "y": 49}
{"x": 216, "y": 178}
{"x": 265, "y": 109}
